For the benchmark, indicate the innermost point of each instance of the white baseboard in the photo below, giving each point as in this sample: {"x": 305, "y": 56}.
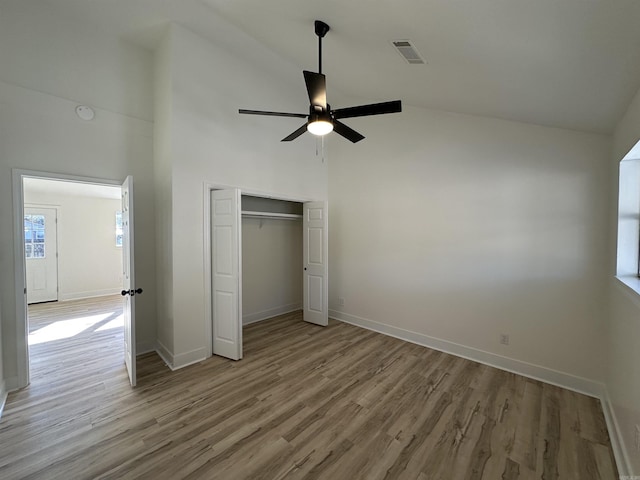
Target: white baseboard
{"x": 165, "y": 354}
{"x": 617, "y": 439}
{"x": 181, "y": 360}
{"x": 272, "y": 312}
{"x": 6, "y": 386}
{"x": 536, "y": 372}
{"x": 63, "y": 297}
{"x": 189, "y": 358}
{"x": 11, "y": 384}
{"x": 3, "y": 396}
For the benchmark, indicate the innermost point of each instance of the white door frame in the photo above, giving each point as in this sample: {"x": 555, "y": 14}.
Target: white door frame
{"x": 206, "y": 194}
{"x": 22, "y": 326}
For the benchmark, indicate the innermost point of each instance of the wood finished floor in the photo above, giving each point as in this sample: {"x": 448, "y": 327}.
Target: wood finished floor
{"x": 306, "y": 402}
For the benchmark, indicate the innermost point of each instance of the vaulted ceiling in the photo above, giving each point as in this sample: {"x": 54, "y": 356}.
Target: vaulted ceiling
{"x": 566, "y": 63}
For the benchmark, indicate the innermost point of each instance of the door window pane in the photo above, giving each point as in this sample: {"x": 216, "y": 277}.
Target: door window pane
{"x": 118, "y": 229}
{"x": 34, "y": 236}
{"x": 38, "y": 250}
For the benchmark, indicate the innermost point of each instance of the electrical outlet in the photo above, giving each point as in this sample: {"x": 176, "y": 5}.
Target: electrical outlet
{"x": 340, "y": 302}
{"x": 637, "y": 438}
{"x": 504, "y": 339}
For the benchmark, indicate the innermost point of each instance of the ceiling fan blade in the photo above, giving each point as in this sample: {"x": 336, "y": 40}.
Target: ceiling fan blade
{"x": 272, "y": 114}
{"x": 316, "y": 88}
{"x": 347, "y": 132}
{"x": 365, "y": 110}
{"x": 295, "y": 134}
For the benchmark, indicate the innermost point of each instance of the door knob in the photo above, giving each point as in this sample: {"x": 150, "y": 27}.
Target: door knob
{"x": 131, "y": 292}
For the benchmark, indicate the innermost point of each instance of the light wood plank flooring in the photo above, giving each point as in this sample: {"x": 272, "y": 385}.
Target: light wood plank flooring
{"x": 306, "y": 402}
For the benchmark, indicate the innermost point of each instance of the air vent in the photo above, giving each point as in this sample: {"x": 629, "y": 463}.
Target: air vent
{"x": 408, "y": 52}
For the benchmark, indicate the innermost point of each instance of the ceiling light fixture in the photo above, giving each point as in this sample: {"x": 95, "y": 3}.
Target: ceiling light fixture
{"x": 319, "y": 124}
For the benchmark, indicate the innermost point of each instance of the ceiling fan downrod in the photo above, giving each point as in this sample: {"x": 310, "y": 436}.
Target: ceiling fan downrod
{"x": 321, "y": 30}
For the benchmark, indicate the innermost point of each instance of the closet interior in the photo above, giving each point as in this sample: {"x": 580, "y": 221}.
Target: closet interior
{"x": 272, "y": 257}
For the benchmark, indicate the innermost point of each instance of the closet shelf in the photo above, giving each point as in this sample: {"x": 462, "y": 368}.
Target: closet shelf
{"x": 280, "y": 216}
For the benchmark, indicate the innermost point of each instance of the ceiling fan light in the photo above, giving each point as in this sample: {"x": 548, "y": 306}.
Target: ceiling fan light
{"x": 319, "y": 127}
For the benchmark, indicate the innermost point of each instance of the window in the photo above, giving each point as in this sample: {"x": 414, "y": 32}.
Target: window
{"x": 118, "y": 229}
{"x": 34, "y": 235}
{"x": 628, "y": 254}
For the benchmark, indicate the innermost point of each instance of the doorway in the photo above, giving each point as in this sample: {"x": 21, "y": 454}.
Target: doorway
{"x": 73, "y": 259}
{"x": 82, "y": 226}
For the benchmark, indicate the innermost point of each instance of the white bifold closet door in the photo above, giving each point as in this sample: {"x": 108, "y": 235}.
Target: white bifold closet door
{"x": 316, "y": 263}
{"x": 226, "y": 273}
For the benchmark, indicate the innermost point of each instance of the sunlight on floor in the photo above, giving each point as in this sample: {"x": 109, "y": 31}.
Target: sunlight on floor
{"x": 72, "y": 327}
{"x": 117, "y": 322}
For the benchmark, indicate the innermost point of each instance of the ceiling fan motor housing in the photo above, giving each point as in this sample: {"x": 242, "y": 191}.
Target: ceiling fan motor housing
{"x": 319, "y": 116}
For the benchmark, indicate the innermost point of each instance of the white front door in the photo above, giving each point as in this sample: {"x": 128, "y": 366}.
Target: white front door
{"x": 41, "y": 254}
{"x": 128, "y": 280}
{"x": 315, "y": 263}
{"x": 226, "y": 272}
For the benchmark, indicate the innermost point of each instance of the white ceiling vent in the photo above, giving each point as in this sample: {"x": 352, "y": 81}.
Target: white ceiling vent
{"x": 408, "y": 51}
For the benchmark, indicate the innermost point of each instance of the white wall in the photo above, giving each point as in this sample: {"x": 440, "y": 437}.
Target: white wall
{"x": 89, "y": 262}
{"x": 460, "y": 228}
{"x": 271, "y": 267}
{"x": 623, "y": 375}
{"x": 162, "y": 158}
{"x": 50, "y": 64}
{"x": 212, "y": 144}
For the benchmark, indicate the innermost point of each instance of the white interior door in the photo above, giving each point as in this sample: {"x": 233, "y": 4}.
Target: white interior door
{"x": 226, "y": 273}
{"x": 128, "y": 280}
{"x": 316, "y": 263}
{"x": 41, "y": 254}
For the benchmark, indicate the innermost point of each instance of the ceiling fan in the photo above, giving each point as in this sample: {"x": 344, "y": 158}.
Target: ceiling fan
{"x": 321, "y": 118}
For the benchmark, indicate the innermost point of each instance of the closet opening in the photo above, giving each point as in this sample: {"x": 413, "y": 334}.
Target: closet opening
{"x": 269, "y": 257}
